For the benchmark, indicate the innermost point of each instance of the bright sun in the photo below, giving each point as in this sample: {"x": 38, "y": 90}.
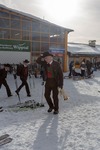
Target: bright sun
{"x": 61, "y": 9}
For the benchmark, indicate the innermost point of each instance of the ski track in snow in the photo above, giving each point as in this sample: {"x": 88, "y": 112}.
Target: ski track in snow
{"x": 76, "y": 127}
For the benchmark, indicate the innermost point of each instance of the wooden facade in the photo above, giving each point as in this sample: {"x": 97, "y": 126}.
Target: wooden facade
{"x": 31, "y": 35}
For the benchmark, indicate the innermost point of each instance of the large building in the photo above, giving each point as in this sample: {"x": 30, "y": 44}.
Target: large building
{"x": 23, "y": 36}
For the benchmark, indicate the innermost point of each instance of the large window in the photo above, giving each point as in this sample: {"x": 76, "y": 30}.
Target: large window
{"x": 45, "y": 37}
{"x": 13, "y": 16}
{"x": 53, "y": 38}
{"x": 15, "y": 34}
{"x": 35, "y": 46}
{"x": 4, "y": 23}
{"x": 4, "y": 14}
{"x": 53, "y": 30}
{"x": 26, "y": 25}
{"x": 4, "y": 33}
{"x": 35, "y": 26}
{"x": 36, "y": 36}
{"x": 44, "y": 46}
{"x": 53, "y": 46}
{"x": 61, "y": 38}
{"x": 25, "y": 35}
{"x": 60, "y": 46}
{"x": 44, "y": 28}
{"x": 58, "y": 30}
{"x": 15, "y": 24}
{"x": 25, "y": 19}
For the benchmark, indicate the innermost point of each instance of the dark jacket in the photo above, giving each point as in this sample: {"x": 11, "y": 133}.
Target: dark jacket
{"x": 71, "y": 65}
{"x": 3, "y": 75}
{"x": 57, "y": 71}
{"x": 24, "y": 72}
{"x": 88, "y": 65}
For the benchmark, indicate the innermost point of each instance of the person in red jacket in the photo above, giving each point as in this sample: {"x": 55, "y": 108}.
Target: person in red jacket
{"x": 23, "y": 77}
{"x": 3, "y": 76}
{"x": 54, "y": 79}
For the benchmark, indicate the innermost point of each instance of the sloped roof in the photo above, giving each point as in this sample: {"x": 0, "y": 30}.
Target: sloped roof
{"x": 83, "y": 49}
{"x": 34, "y": 17}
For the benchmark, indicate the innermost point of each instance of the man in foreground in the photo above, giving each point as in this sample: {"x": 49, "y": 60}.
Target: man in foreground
{"x": 53, "y": 78}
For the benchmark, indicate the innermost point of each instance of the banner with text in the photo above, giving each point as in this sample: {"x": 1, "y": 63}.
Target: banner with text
{"x": 11, "y": 45}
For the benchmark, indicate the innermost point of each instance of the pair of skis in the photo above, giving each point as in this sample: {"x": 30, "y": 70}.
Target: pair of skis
{"x": 5, "y": 139}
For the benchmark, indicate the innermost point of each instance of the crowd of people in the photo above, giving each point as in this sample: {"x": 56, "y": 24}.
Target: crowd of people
{"x": 85, "y": 67}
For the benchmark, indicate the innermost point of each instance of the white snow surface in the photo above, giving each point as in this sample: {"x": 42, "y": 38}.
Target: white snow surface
{"x": 76, "y": 127}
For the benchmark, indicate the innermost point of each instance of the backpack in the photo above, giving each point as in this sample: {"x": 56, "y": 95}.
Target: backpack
{"x": 19, "y": 69}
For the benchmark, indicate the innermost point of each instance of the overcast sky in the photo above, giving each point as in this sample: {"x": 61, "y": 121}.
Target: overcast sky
{"x": 83, "y": 16}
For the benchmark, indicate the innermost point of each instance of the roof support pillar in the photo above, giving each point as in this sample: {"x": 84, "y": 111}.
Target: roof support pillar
{"x": 65, "y": 53}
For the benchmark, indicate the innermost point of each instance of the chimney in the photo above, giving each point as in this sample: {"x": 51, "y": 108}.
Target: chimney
{"x": 92, "y": 43}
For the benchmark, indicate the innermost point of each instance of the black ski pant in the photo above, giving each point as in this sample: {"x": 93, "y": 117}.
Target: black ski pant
{"x": 70, "y": 72}
{"x": 83, "y": 73}
{"x": 4, "y": 82}
{"x": 24, "y": 83}
{"x": 51, "y": 86}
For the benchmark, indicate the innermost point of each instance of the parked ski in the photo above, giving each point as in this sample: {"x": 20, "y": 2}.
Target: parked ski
{"x": 5, "y": 141}
{"x": 24, "y": 106}
{"x": 2, "y": 137}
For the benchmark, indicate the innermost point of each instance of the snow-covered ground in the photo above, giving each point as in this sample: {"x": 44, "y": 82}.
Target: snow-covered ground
{"x": 76, "y": 127}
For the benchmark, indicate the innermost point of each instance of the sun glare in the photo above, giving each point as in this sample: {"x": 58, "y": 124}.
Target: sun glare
{"x": 61, "y": 9}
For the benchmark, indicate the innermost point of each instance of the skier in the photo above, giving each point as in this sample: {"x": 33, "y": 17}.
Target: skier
{"x": 54, "y": 79}
{"x": 70, "y": 68}
{"x": 3, "y": 75}
{"x": 23, "y": 73}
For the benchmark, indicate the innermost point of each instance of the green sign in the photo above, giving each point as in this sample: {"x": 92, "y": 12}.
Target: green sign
{"x": 8, "y": 45}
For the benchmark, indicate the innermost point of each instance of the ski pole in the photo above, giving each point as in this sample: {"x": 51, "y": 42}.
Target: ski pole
{"x": 33, "y": 81}
{"x": 30, "y": 81}
{"x": 15, "y": 78}
{"x": 42, "y": 104}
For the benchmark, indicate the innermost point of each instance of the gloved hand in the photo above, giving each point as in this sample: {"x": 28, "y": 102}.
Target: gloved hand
{"x": 62, "y": 92}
